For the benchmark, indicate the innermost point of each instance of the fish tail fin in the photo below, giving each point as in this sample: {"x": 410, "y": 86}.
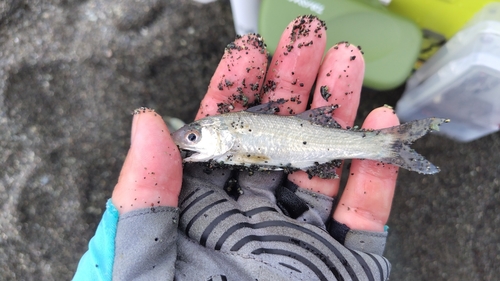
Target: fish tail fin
{"x": 405, "y": 134}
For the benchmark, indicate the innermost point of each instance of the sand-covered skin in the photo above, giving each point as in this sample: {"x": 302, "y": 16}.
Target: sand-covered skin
{"x": 72, "y": 72}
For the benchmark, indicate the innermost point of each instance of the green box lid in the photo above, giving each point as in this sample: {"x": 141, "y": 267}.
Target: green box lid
{"x": 391, "y": 43}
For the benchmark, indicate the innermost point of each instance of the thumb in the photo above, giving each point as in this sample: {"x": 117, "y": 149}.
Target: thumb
{"x": 152, "y": 172}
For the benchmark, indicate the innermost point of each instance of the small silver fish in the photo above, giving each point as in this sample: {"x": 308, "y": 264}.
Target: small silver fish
{"x": 311, "y": 141}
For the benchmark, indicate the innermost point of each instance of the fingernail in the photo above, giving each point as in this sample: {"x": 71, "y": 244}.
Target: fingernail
{"x": 135, "y": 120}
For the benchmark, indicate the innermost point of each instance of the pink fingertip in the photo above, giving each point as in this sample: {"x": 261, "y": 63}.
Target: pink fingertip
{"x": 237, "y": 81}
{"x": 295, "y": 63}
{"x": 339, "y": 81}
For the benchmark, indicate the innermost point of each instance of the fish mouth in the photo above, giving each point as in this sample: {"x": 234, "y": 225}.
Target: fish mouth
{"x": 190, "y": 155}
{"x": 187, "y": 152}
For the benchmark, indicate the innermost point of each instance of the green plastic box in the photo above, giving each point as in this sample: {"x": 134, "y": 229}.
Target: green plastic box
{"x": 391, "y": 43}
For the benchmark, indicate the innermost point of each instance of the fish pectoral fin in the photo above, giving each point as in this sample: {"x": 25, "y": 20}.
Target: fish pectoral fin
{"x": 271, "y": 107}
{"x": 321, "y": 116}
{"x": 326, "y": 170}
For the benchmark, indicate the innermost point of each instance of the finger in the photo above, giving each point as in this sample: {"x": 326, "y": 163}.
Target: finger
{"x": 295, "y": 63}
{"x": 340, "y": 79}
{"x": 237, "y": 80}
{"x": 367, "y": 198}
{"x": 152, "y": 172}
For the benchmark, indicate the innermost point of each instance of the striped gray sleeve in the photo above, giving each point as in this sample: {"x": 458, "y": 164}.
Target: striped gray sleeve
{"x": 221, "y": 236}
{"x": 247, "y": 237}
{"x": 146, "y": 244}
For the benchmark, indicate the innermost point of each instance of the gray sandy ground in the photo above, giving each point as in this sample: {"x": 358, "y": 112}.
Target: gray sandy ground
{"x": 72, "y": 71}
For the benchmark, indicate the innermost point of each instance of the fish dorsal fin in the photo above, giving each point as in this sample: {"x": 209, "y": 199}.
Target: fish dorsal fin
{"x": 321, "y": 116}
{"x": 271, "y": 107}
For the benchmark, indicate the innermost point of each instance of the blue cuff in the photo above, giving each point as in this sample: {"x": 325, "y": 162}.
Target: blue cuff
{"x": 97, "y": 262}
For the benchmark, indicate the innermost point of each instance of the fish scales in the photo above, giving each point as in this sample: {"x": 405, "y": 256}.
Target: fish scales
{"x": 309, "y": 141}
{"x": 288, "y": 140}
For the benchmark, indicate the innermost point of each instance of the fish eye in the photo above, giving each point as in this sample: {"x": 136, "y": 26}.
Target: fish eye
{"x": 192, "y": 137}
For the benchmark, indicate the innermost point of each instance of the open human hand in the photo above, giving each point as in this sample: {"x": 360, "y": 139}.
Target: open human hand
{"x": 244, "y": 77}
{"x": 274, "y": 225}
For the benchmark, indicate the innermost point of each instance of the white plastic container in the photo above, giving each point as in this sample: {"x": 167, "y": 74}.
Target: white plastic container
{"x": 461, "y": 81}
